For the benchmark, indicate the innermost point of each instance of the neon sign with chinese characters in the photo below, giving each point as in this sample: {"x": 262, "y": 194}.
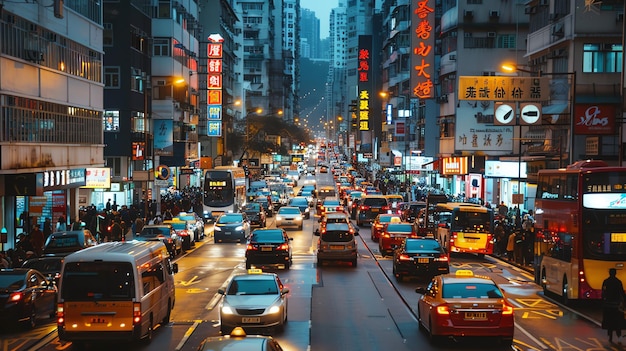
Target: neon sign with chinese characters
{"x": 422, "y": 42}
{"x": 364, "y": 84}
{"x": 214, "y": 85}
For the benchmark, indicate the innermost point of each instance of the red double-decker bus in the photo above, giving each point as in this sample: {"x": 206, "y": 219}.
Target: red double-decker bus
{"x": 580, "y": 227}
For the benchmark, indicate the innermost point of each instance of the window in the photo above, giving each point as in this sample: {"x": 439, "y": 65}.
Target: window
{"x": 602, "y": 58}
{"x": 506, "y": 41}
{"x": 111, "y": 120}
{"x": 138, "y": 123}
{"x": 137, "y": 39}
{"x": 107, "y": 34}
{"x": 161, "y": 47}
{"x": 112, "y": 77}
{"x": 163, "y": 9}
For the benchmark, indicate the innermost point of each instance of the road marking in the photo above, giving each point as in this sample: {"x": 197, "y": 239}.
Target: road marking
{"x": 189, "y": 282}
{"x": 187, "y": 335}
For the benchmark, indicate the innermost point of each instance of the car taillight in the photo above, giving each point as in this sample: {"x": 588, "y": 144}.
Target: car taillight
{"x": 442, "y": 258}
{"x": 251, "y": 247}
{"x": 60, "y": 314}
{"x": 16, "y": 296}
{"x": 137, "y": 313}
{"x": 443, "y": 309}
{"x": 507, "y": 309}
{"x": 386, "y": 234}
{"x": 364, "y": 208}
{"x": 283, "y": 247}
{"x": 404, "y": 257}
{"x": 490, "y": 238}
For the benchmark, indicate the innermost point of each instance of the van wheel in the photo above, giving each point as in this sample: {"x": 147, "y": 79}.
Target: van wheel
{"x": 166, "y": 319}
{"x": 32, "y": 319}
{"x": 564, "y": 298}
{"x": 147, "y": 339}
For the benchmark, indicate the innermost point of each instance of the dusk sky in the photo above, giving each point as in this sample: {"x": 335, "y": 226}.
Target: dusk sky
{"x": 322, "y": 11}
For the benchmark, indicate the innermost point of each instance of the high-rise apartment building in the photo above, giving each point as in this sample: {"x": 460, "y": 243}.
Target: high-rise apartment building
{"x": 310, "y": 34}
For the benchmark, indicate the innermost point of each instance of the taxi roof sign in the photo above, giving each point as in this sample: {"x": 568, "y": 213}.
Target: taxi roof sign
{"x": 255, "y": 271}
{"x": 464, "y": 273}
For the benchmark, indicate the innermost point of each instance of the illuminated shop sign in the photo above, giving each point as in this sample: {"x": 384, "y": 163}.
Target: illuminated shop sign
{"x": 594, "y": 119}
{"x": 526, "y": 89}
{"x": 422, "y": 42}
{"x": 214, "y": 85}
{"x": 365, "y": 82}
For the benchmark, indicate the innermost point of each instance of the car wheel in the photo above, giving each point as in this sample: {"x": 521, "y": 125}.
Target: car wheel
{"x": 319, "y": 262}
{"x": 420, "y": 323}
{"x": 248, "y": 265}
{"x": 433, "y": 338}
{"x": 354, "y": 263}
{"x": 31, "y": 322}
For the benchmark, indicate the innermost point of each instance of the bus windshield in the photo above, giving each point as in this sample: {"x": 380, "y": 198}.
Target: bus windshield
{"x": 218, "y": 189}
{"x": 471, "y": 221}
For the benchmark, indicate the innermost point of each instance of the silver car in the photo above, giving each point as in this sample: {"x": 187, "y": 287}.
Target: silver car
{"x": 289, "y": 216}
{"x": 252, "y": 301}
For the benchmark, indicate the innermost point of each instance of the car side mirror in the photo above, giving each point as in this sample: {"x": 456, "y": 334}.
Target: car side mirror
{"x": 421, "y": 290}
{"x": 175, "y": 267}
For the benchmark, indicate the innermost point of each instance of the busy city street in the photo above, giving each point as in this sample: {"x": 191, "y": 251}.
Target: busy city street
{"x": 338, "y": 306}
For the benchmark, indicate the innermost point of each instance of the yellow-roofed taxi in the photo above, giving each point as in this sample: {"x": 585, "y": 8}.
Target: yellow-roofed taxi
{"x": 462, "y": 304}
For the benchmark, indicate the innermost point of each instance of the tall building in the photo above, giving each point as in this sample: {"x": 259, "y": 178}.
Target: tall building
{"x": 310, "y": 34}
{"x": 128, "y": 138}
{"x": 336, "y": 85}
{"x": 52, "y": 122}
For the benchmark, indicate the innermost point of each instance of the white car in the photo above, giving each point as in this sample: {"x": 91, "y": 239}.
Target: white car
{"x": 289, "y": 216}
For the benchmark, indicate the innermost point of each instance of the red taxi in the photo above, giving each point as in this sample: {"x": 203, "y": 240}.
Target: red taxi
{"x": 393, "y": 236}
{"x": 462, "y": 304}
{"x": 380, "y": 222}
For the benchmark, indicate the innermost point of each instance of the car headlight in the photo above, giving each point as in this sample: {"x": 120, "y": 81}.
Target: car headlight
{"x": 298, "y": 218}
{"x": 217, "y": 228}
{"x": 273, "y": 309}
{"x": 279, "y": 218}
{"x": 227, "y": 310}
{"x": 240, "y": 227}
{"x": 307, "y": 209}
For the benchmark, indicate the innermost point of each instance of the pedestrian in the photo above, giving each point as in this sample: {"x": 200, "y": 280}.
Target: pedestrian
{"x": 76, "y": 224}
{"x": 61, "y": 224}
{"x": 108, "y": 206}
{"x": 503, "y": 210}
{"x": 47, "y": 228}
{"x": 613, "y": 298}
{"x": 37, "y": 240}
{"x": 510, "y": 246}
{"x": 116, "y": 230}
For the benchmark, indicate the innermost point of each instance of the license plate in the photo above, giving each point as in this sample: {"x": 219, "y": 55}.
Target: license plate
{"x": 422, "y": 260}
{"x": 266, "y": 248}
{"x": 375, "y": 209}
{"x": 250, "y": 319}
{"x": 471, "y": 240}
{"x": 336, "y": 247}
{"x": 477, "y": 316}
{"x": 226, "y": 233}
{"x": 98, "y": 321}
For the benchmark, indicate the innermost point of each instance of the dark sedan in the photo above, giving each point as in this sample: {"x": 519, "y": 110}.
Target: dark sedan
{"x": 25, "y": 296}
{"x": 164, "y": 233}
{"x": 49, "y": 266}
{"x": 420, "y": 257}
{"x": 255, "y": 213}
{"x": 269, "y": 247}
{"x": 231, "y": 227}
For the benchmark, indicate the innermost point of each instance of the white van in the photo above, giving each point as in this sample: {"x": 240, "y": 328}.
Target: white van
{"x": 115, "y": 291}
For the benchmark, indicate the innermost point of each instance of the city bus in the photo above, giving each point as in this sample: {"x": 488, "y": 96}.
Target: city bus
{"x": 463, "y": 227}
{"x": 580, "y": 228}
{"x": 224, "y": 190}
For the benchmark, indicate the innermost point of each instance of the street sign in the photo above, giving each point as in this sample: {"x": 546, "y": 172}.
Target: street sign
{"x": 530, "y": 113}
{"x": 161, "y": 183}
{"x": 504, "y": 114}
{"x": 499, "y": 88}
{"x": 517, "y": 199}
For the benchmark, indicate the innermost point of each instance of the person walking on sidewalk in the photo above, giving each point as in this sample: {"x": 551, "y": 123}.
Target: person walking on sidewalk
{"x": 613, "y": 298}
{"x": 510, "y": 247}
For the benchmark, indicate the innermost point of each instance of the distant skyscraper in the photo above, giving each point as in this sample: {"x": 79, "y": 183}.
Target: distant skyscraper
{"x": 310, "y": 34}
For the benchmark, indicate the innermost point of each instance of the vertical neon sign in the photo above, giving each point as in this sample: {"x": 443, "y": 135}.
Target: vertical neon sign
{"x": 214, "y": 85}
{"x": 422, "y": 41}
{"x": 364, "y": 64}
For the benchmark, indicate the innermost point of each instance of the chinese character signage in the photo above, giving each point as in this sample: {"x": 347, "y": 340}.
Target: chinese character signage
{"x": 423, "y": 43}
{"x": 364, "y": 81}
{"x": 98, "y": 178}
{"x": 495, "y": 88}
{"x": 594, "y": 119}
{"x": 214, "y": 85}
{"x": 475, "y": 129}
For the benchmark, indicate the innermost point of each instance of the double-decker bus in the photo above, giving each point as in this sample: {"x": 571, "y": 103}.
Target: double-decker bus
{"x": 464, "y": 227}
{"x": 224, "y": 190}
{"x": 580, "y": 228}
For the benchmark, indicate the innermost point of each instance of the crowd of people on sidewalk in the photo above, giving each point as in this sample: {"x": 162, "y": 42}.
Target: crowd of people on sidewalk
{"x": 112, "y": 223}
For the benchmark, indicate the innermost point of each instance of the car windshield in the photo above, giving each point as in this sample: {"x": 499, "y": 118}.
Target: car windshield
{"x": 299, "y": 202}
{"x": 422, "y": 245}
{"x": 45, "y": 265}
{"x": 154, "y": 232}
{"x": 328, "y": 203}
{"x": 386, "y": 219}
{"x": 91, "y": 281}
{"x": 285, "y": 210}
{"x": 376, "y": 202}
{"x": 337, "y": 236}
{"x": 229, "y": 218}
{"x": 252, "y": 287}
{"x": 252, "y": 207}
{"x": 336, "y": 220}
{"x": 11, "y": 281}
{"x": 272, "y": 237}
{"x": 470, "y": 290}
{"x": 179, "y": 225}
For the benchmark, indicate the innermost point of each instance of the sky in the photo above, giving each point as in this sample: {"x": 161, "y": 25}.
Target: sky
{"x": 322, "y": 11}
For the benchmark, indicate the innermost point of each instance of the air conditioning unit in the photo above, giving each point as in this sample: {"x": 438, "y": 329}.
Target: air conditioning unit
{"x": 530, "y": 10}
{"x": 160, "y": 82}
{"x": 452, "y": 57}
{"x": 491, "y": 34}
{"x": 494, "y": 14}
{"x": 468, "y": 13}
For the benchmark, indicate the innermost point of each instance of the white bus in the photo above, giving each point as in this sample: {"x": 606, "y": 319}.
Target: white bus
{"x": 224, "y": 190}
{"x": 115, "y": 291}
